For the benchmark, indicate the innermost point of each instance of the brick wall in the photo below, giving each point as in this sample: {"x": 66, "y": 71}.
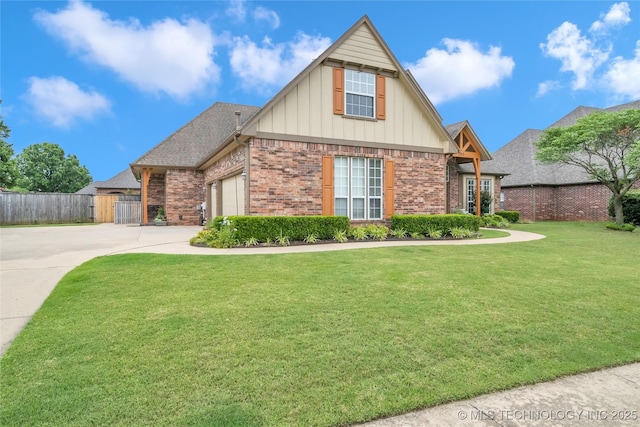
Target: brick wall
{"x": 184, "y": 192}
{"x": 228, "y": 165}
{"x": 584, "y": 202}
{"x": 285, "y": 177}
{"x": 454, "y": 186}
{"x": 155, "y": 194}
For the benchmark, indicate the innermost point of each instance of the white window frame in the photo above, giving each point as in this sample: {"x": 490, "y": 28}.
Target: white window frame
{"x": 486, "y": 184}
{"x": 358, "y": 188}
{"x": 359, "y": 84}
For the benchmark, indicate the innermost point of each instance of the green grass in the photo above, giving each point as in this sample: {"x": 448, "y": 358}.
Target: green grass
{"x": 326, "y": 338}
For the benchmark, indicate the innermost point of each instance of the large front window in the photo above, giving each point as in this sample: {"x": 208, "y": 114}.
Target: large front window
{"x": 358, "y": 187}
{"x": 360, "y": 90}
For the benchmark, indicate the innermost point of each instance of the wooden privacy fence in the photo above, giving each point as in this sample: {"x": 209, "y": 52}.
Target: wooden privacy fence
{"x": 128, "y": 212}
{"x": 45, "y": 208}
{"x": 64, "y": 208}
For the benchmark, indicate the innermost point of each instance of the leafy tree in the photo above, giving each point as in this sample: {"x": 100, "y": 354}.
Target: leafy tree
{"x": 44, "y": 167}
{"x": 605, "y": 145}
{"x": 8, "y": 170}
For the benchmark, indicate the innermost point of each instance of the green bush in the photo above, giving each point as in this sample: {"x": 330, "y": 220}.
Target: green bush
{"x": 424, "y": 223}
{"x": 270, "y": 228}
{"x": 511, "y": 216}
{"x": 630, "y": 207}
{"x": 493, "y": 221}
{"x": 623, "y": 227}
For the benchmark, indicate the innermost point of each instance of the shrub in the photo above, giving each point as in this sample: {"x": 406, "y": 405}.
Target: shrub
{"x": 377, "y": 232}
{"x": 340, "y": 236}
{"x": 311, "y": 238}
{"x": 399, "y": 233}
{"x": 359, "y": 233}
{"x": 623, "y": 227}
{"x": 511, "y": 216}
{"x": 269, "y": 228}
{"x": 434, "y": 233}
{"x": 493, "y": 221}
{"x": 423, "y": 223}
{"x": 630, "y": 207}
{"x": 458, "y": 232}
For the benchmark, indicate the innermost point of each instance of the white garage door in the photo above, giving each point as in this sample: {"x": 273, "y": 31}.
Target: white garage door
{"x": 233, "y": 196}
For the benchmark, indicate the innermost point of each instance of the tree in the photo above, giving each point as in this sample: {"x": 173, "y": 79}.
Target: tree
{"x": 44, "y": 167}
{"x": 605, "y": 145}
{"x": 8, "y": 170}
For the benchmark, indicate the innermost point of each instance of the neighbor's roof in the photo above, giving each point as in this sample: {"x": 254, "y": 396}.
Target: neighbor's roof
{"x": 518, "y": 156}
{"x": 124, "y": 180}
{"x": 190, "y": 145}
{"x": 89, "y": 189}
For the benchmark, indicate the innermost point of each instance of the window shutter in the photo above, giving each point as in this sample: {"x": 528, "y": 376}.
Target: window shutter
{"x": 327, "y": 186}
{"x": 381, "y": 97}
{"x": 338, "y": 91}
{"x": 389, "y": 166}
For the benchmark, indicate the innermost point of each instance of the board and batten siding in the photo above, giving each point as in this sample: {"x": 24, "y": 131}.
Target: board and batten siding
{"x": 363, "y": 48}
{"x": 307, "y": 110}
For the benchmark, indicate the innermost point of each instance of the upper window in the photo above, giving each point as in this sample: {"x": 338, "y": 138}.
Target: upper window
{"x": 360, "y": 91}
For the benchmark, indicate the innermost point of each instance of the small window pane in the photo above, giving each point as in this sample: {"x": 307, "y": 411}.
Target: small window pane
{"x": 358, "y": 209}
{"x": 341, "y": 207}
{"x": 375, "y": 209}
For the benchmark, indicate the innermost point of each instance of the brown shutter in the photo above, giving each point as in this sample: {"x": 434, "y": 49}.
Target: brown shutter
{"x": 381, "y": 93}
{"x": 327, "y": 186}
{"x": 338, "y": 91}
{"x": 389, "y": 166}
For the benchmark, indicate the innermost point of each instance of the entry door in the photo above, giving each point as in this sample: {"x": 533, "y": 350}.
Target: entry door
{"x": 233, "y": 196}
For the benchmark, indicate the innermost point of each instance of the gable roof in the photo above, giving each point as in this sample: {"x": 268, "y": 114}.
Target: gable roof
{"x": 454, "y": 130}
{"x": 325, "y": 57}
{"x": 518, "y": 155}
{"x": 190, "y": 145}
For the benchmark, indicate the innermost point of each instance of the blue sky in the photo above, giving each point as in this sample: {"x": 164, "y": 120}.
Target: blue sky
{"x": 108, "y": 80}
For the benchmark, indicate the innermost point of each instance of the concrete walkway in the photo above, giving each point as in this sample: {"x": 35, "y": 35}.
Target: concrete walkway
{"x": 33, "y": 260}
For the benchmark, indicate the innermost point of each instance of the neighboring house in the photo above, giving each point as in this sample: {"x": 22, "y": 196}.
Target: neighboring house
{"x": 551, "y": 191}
{"x": 123, "y": 183}
{"x": 353, "y": 134}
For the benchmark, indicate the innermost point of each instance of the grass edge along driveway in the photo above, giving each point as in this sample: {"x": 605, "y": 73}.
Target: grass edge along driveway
{"x": 322, "y": 338}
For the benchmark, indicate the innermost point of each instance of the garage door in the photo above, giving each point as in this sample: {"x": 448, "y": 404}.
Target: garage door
{"x": 233, "y": 196}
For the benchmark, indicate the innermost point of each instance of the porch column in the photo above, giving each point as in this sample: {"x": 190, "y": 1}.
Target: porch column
{"x": 146, "y": 175}
{"x": 476, "y": 168}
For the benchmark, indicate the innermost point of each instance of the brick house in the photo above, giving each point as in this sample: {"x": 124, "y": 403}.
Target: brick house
{"x": 551, "y": 191}
{"x": 353, "y": 134}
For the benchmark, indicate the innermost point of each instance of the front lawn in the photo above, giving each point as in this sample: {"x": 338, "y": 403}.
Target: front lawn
{"x": 327, "y": 338}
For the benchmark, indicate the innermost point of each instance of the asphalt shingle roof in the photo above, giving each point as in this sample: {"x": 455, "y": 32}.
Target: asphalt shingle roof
{"x": 517, "y": 157}
{"x": 190, "y": 145}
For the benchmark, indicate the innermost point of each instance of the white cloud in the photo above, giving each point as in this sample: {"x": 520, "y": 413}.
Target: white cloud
{"x": 166, "y": 56}
{"x": 271, "y": 65}
{"x": 617, "y": 16}
{"x": 460, "y": 69}
{"x": 63, "y": 102}
{"x": 237, "y": 10}
{"x": 623, "y": 76}
{"x": 577, "y": 53}
{"x": 267, "y": 15}
{"x": 548, "y": 86}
